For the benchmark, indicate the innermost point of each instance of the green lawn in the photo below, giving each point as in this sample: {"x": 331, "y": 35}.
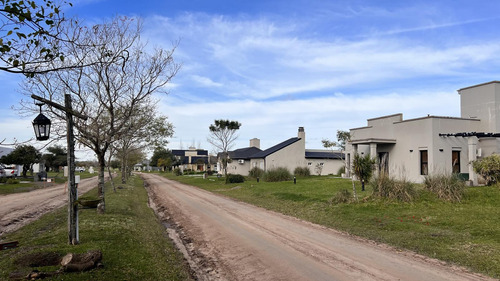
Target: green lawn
{"x": 27, "y": 184}
{"x": 134, "y": 244}
{"x": 466, "y": 233}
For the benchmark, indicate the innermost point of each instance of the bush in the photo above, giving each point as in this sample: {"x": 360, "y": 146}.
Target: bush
{"x": 343, "y": 196}
{"x": 177, "y": 172}
{"x": 12, "y": 181}
{"x": 488, "y": 168}
{"x": 390, "y": 188}
{"x": 341, "y": 171}
{"x": 235, "y": 178}
{"x": 210, "y": 172}
{"x": 446, "y": 187}
{"x": 277, "y": 174}
{"x": 256, "y": 172}
{"x": 302, "y": 171}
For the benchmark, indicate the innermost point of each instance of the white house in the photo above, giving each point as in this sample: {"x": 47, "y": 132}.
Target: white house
{"x": 414, "y": 148}
{"x": 290, "y": 154}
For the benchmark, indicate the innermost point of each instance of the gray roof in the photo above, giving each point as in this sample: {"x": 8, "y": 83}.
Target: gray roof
{"x": 244, "y": 153}
{"x": 275, "y": 148}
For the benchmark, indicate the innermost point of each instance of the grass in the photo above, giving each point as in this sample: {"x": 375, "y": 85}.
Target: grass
{"x": 465, "y": 233}
{"x": 27, "y": 184}
{"x": 134, "y": 244}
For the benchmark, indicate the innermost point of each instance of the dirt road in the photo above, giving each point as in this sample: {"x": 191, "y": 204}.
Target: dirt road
{"x": 230, "y": 240}
{"x": 20, "y": 209}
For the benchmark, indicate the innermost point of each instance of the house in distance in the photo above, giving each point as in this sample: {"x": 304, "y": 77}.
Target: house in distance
{"x": 290, "y": 154}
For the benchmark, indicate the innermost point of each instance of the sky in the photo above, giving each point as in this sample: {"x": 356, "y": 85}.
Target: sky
{"x": 275, "y": 66}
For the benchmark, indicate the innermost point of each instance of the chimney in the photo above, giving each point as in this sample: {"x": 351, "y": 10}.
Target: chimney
{"x": 255, "y": 142}
{"x": 302, "y": 133}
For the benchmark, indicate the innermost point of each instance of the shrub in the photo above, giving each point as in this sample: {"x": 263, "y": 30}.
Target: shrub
{"x": 343, "y": 196}
{"x": 302, "y": 171}
{"x": 341, "y": 171}
{"x": 446, "y": 187}
{"x": 488, "y": 168}
{"x": 12, "y": 181}
{"x": 210, "y": 172}
{"x": 256, "y": 172}
{"x": 277, "y": 174}
{"x": 236, "y": 178}
{"x": 177, "y": 172}
{"x": 363, "y": 168}
{"x": 390, "y": 188}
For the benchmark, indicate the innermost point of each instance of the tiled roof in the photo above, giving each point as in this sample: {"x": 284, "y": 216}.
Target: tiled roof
{"x": 324, "y": 155}
{"x": 244, "y": 153}
{"x": 275, "y": 148}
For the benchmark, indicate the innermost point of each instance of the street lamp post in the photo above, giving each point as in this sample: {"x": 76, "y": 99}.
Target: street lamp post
{"x": 73, "y": 237}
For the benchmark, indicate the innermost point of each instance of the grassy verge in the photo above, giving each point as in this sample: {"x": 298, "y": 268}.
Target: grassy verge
{"x": 133, "y": 243}
{"x": 466, "y": 233}
{"x": 27, "y": 184}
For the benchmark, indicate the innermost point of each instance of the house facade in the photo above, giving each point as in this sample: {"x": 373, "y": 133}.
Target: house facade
{"x": 415, "y": 148}
{"x": 193, "y": 159}
{"x": 289, "y": 154}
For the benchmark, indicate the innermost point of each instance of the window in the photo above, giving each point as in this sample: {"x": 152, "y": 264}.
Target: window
{"x": 455, "y": 162}
{"x": 321, "y": 164}
{"x": 309, "y": 164}
{"x": 424, "y": 162}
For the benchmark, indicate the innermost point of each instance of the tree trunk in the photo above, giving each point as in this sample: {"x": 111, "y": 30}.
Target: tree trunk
{"x": 101, "y": 207}
{"x": 110, "y": 174}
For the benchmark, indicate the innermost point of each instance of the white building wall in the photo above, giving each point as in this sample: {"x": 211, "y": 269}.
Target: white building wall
{"x": 330, "y": 166}
{"x": 236, "y": 167}
{"x": 289, "y": 157}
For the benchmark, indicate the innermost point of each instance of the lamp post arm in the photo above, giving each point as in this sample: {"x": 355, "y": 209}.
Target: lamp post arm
{"x": 60, "y": 107}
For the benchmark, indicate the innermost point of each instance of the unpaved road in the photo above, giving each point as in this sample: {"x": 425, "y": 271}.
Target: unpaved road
{"x": 230, "y": 240}
{"x": 19, "y": 209}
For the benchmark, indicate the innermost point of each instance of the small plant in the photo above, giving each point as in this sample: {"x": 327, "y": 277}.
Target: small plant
{"x": 256, "y": 172}
{"x": 343, "y": 196}
{"x": 363, "y": 168}
{"x": 390, "y": 188}
{"x": 177, "y": 172}
{"x": 341, "y": 171}
{"x": 446, "y": 187}
{"x": 12, "y": 181}
{"x": 235, "y": 178}
{"x": 302, "y": 172}
{"x": 318, "y": 169}
{"x": 277, "y": 174}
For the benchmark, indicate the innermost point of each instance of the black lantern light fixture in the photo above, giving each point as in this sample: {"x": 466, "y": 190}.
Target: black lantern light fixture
{"x": 41, "y": 125}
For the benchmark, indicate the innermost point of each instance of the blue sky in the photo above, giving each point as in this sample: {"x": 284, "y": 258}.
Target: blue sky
{"x": 323, "y": 65}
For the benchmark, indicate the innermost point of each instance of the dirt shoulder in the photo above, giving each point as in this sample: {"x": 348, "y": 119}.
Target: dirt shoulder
{"x": 230, "y": 240}
{"x": 19, "y": 209}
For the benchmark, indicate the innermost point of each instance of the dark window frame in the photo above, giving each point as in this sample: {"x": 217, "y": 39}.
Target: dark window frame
{"x": 424, "y": 162}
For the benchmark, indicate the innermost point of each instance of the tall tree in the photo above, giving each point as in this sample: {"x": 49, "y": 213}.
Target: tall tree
{"x": 222, "y": 137}
{"x": 146, "y": 128}
{"x": 25, "y": 155}
{"x": 161, "y": 152}
{"x": 56, "y": 157}
{"x": 111, "y": 91}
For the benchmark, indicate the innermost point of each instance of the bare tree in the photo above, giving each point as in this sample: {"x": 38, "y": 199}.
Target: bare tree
{"x": 146, "y": 128}
{"x": 111, "y": 91}
{"x": 222, "y": 136}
